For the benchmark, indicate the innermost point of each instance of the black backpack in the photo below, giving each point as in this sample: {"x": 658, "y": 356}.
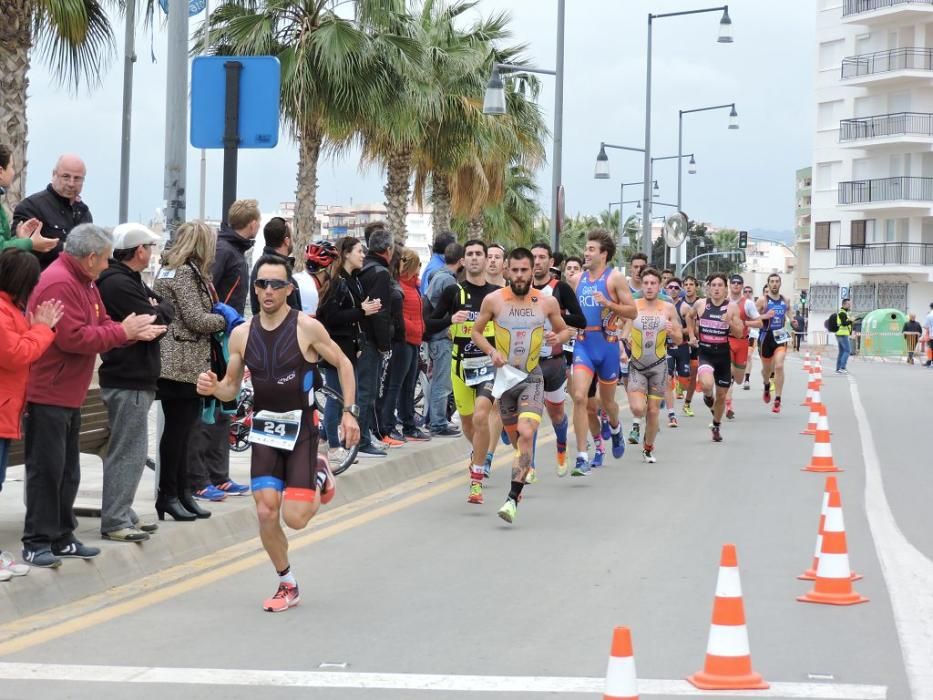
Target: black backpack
{"x": 832, "y": 323}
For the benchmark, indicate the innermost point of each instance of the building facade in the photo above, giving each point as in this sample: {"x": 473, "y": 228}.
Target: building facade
{"x": 803, "y": 202}
{"x": 871, "y": 228}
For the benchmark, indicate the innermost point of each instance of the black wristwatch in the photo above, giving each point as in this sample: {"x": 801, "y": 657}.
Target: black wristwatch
{"x": 353, "y": 410}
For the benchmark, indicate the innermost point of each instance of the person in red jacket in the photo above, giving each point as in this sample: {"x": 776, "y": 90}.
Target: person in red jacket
{"x": 57, "y": 386}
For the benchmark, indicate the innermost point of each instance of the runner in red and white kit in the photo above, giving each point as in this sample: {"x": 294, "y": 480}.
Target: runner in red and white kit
{"x": 739, "y": 347}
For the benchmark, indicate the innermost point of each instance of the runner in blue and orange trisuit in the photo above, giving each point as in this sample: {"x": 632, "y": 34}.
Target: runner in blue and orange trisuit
{"x": 773, "y": 339}
{"x": 605, "y": 297}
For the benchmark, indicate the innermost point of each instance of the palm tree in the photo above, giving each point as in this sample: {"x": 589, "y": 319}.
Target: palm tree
{"x": 333, "y": 70}
{"x": 511, "y": 220}
{"x": 75, "y": 39}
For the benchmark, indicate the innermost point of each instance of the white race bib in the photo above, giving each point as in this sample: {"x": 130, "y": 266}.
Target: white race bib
{"x": 477, "y": 370}
{"x": 278, "y": 430}
{"x": 781, "y": 336}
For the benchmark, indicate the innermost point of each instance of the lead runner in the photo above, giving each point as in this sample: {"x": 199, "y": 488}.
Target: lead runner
{"x": 281, "y": 347}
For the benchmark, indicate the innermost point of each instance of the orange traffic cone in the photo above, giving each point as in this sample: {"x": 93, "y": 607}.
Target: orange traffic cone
{"x": 728, "y": 659}
{"x": 621, "y": 681}
{"x": 833, "y": 584}
{"x": 806, "y": 361}
{"x": 816, "y": 403}
{"x": 822, "y": 458}
{"x": 810, "y": 574}
{"x": 810, "y": 379}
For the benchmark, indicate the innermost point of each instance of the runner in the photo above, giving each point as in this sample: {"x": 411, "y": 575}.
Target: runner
{"x": 519, "y": 314}
{"x": 678, "y": 361}
{"x": 604, "y": 296}
{"x": 752, "y": 341}
{"x": 553, "y": 364}
{"x": 773, "y": 340}
{"x": 738, "y": 347}
{"x": 495, "y": 259}
{"x": 471, "y": 372}
{"x": 655, "y": 321}
{"x": 709, "y": 326}
{"x": 281, "y": 348}
{"x": 691, "y": 289}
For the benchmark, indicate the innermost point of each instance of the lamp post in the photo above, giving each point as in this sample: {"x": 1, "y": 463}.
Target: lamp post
{"x": 733, "y": 124}
{"x": 725, "y": 37}
{"x": 494, "y": 103}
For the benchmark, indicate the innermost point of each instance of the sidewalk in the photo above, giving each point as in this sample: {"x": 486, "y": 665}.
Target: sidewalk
{"x": 232, "y": 521}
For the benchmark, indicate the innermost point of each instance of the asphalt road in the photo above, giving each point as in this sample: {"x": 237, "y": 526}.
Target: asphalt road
{"x": 417, "y": 581}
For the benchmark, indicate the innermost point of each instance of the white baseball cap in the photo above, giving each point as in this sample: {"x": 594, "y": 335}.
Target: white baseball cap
{"x": 127, "y": 236}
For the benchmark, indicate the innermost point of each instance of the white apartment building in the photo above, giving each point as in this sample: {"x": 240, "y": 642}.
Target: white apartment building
{"x": 872, "y": 195}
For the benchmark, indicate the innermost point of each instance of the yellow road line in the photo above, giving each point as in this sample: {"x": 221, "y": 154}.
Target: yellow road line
{"x": 184, "y": 578}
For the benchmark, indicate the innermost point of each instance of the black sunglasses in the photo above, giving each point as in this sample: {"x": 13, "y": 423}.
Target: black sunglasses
{"x": 275, "y": 284}
{"x": 673, "y": 286}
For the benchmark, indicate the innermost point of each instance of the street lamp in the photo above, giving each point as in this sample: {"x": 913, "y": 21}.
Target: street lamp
{"x": 725, "y": 37}
{"x": 692, "y": 166}
{"x": 494, "y": 103}
{"x": 602, "y": 160}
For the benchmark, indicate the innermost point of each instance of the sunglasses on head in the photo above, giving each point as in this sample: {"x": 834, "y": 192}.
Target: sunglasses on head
{"x": 275, "y": 284}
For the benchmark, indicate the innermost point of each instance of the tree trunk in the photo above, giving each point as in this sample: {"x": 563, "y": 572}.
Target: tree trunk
{"x": 396, "y": 191}
{"x": 475, "y": 227}
{"x": 15, "y": 43}
{"x": 440, "y": 201}
{"x": 305, "y": 226}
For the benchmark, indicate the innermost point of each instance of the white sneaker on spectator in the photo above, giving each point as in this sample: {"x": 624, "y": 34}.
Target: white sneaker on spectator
{"x": 336, "y": 455}
{"x": 8, "y": 564}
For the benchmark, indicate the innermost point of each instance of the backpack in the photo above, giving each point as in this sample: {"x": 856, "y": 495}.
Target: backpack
{"x": 832, "y": 323}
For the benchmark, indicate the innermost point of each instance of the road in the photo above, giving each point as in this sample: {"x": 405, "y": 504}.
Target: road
{"x": 424, "y": 589}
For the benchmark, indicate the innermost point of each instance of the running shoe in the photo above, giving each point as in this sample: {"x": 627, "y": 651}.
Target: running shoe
{"x": 730, "y": 414}
{"x": 42, "y": 558}
{"x": 777, "y": 406}
{"x": 618, "y": 445}
{"x": 598, "y": 456}
{"x": 635, "y": 435}
{"x": 746, "y": 386}
{"x": 9, "y": 565}
{"x": 232, "y": 488}
{"x": 581, "y": 468}
{"x": 604, "y": 428}
{"x": 390, "y": 441}
{"x": 487, "y": 465}
{"x": 766, "y": 394}
{"x": 75, "y": 550}
{"x": 210, "y": 493}
{"x": 531, "y": 477}
{"x": 679, "y": 391}
{"x": 504, "y": 436}
{"x": 688, "y": 410}
{"x": 648, "y": 454}
{"x": 508, "y": 511}
{"x": 285, "y": 597}
{"x": 476, "y": 493}
{"x": 336, "y": 455}
{"x": 416, "y": 434}
{"x": 708, "y": 401}
{"x": 397, "y": 436}
{"x": 717, "y": 435}
{"x": 671, "y": 420}
{"x": 561, "y": 457}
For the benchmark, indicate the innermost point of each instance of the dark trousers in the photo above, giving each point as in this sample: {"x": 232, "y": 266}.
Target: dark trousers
{"x": 182, "y": 409}
{"x": 53, "y": 473}
{"x": 209, "y": 453}
{"x": 368, "y": 381}
{"x": 400, "y": 388}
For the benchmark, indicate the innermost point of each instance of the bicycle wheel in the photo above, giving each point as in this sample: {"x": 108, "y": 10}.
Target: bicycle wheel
{"x": 321, "y": 397}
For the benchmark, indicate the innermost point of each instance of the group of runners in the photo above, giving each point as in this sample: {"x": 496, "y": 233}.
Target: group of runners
{"x": 523, "y": 340}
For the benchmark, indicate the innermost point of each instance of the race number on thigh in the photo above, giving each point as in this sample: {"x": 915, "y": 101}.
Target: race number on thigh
{"x": 278, "y": 430}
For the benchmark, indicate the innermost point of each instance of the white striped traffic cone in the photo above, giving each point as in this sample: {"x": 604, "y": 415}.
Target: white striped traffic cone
{"x": 621, "y": 681}
{"x": 816, "y": 402}
{"x": 728, "y": 658}
{"x": 810, "y": 574}
{"x": 822, "y": 458}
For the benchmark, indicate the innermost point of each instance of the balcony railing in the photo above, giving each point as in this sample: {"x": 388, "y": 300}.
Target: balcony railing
{"x": 886, "y": 61}
{"x": 886, "y": 189}
{"x": 855, "y": 7}
{"x": 898, "y": 124}
{"x": 885, "y": 254}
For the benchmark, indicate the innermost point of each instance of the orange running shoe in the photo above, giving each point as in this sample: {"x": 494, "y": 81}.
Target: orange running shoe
{"x": 286, "y": 597}
{"x": 390, "y": 441}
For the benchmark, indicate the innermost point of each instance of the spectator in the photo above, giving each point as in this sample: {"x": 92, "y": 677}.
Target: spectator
{"x": 843, "y": 331}
{"x": 209, "y": 467}
{"x": 912, "y": 331}
{"x": 399, "y": 361}
{"x": 58, "y": 207}
{"x": 278, "y": 237}
{"x": 22, "y": 341}
{"x": 370, "y": 227}
{"x": 184, "y": 282}
{"x": 128, "y": 377}
{"x": 29, "y": 233}
{"x": 928, "y": 332}
{"x": 440, "y": 346}
{"x": 799, "y": 324}
{"x": 319, "y": 256}
{"x": 376, "y": 342}
{"x": 341, "y": 311}
{"x": 58, "y": 384}
{"x": 437, "y": 259}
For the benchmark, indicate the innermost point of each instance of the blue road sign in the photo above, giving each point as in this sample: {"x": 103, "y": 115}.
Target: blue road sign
{"x": 194, "y": 6}
{"x": 259, "y": 101}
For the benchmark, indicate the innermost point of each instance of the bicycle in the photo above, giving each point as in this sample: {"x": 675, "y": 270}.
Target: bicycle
{"x": 322, "y": 396}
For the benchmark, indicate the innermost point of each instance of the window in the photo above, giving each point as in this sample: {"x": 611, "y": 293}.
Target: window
{"x": 857, "y": 233}
{"x": 827, "y": 175}
{"x": 821, "y": 233}
{"x": 828, "y": 115}
{"x": 831, "y": 53}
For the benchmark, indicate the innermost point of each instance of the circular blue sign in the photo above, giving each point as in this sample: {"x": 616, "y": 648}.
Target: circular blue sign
{"x": 194, "y": 6}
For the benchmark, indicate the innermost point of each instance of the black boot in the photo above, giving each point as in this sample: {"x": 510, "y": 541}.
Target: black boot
{"x": 173, "y": 507}
{"x": 188, "y": 502}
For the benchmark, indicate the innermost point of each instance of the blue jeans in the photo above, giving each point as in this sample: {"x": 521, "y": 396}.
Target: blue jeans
{"x": 844, "y": 351}
{"x": 331, "y": 410}
{"x": 441, "y": 354}
{"x": 368, "y": 381}
{"x": 4, "y": 456}
{"x": 400, "y": 392}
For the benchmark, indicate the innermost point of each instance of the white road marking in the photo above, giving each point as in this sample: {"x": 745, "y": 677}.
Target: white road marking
{"x": 411, "y": 681}
{"x": 908, "y": 574}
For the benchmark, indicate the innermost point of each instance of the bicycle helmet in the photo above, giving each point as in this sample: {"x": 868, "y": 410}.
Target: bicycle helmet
{"x": 319, "y": 255}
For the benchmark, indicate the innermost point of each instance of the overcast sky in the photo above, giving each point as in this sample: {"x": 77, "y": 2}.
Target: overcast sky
{"x": 745, "y": 178}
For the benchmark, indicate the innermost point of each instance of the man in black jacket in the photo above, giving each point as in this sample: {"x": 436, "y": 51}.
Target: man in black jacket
{"x": 376, "y": 342}
{"x": 278, "y": 238}
{"x": 128, "y": 377}
{"x": 58, "y": 206}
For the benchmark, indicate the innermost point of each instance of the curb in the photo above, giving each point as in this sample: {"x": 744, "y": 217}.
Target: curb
{"x": 231, "y": 522}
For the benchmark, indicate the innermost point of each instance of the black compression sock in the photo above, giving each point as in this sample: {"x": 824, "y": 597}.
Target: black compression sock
{"x": 516, "y": 491}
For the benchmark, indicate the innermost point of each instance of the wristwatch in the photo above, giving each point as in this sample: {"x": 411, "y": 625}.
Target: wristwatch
{"x": 353, "y": 410}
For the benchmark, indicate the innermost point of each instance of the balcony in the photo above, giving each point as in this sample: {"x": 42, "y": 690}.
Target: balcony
{"x": 904, "y": 195}
{"x": 889, "y": 68}
{"x": 909, "y": 129}
{"x": 871, "y": 12}
{"x": 887, "y": 258}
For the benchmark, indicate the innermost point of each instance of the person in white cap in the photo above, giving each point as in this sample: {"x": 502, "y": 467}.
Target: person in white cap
{"x": 128, "y": 377}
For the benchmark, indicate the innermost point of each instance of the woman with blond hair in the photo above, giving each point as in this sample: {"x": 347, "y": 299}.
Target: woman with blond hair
{"x": 184, "y": 281}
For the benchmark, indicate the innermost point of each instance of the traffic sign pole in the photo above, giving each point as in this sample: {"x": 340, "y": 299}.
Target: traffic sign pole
{"x": 232, "y": 71}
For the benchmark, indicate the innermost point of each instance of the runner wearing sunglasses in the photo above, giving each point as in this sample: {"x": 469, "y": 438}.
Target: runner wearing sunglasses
{"x": 678, "y": 360}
